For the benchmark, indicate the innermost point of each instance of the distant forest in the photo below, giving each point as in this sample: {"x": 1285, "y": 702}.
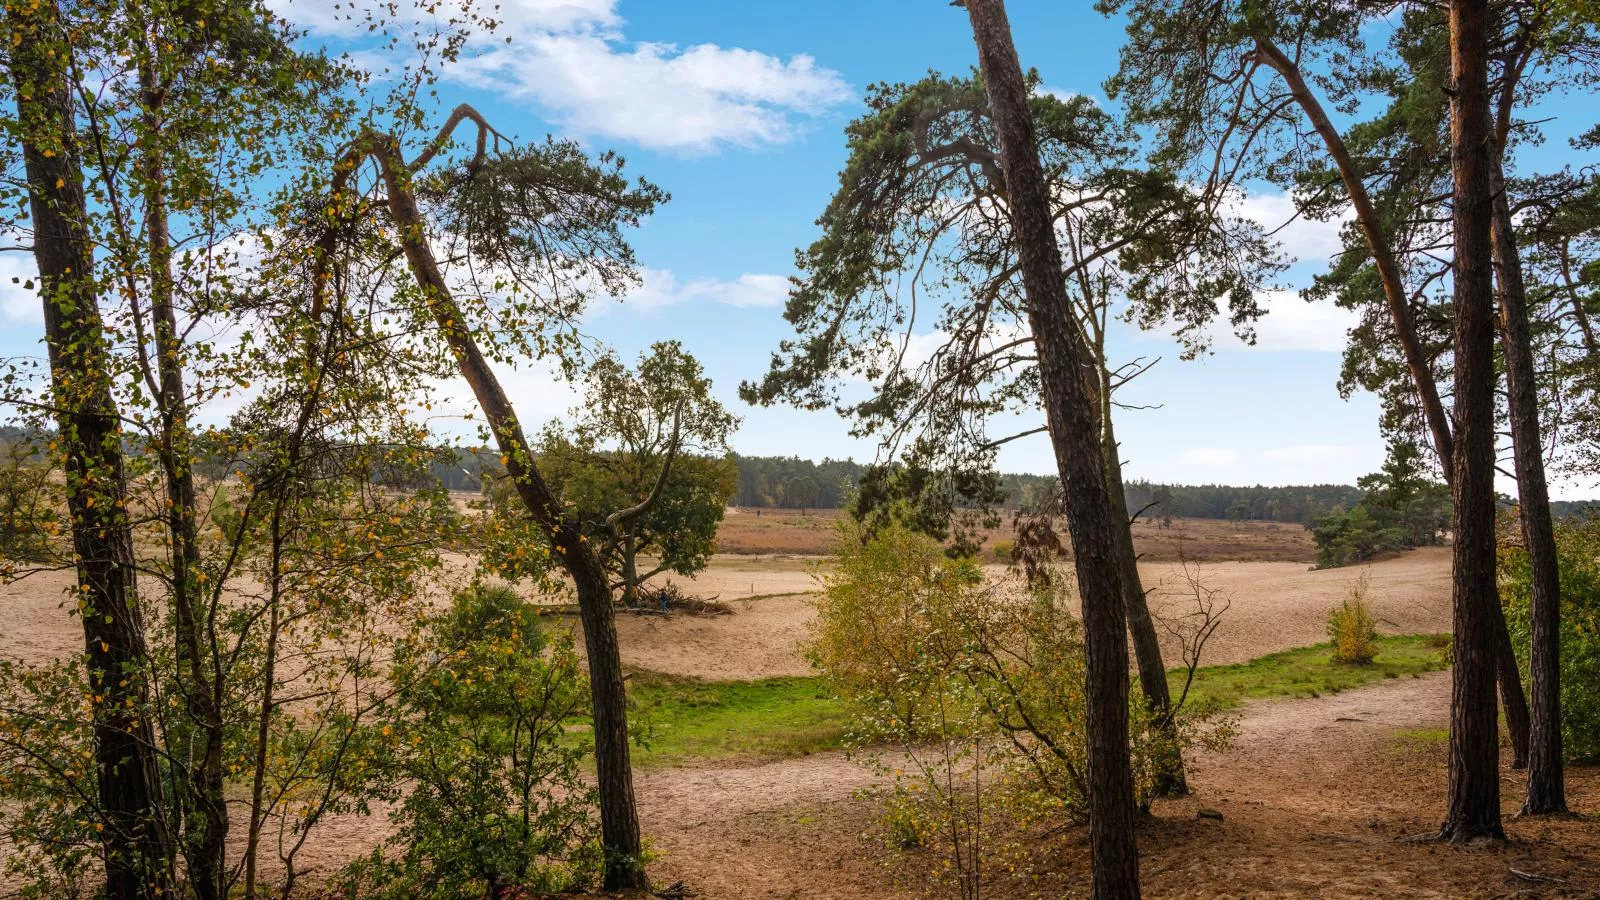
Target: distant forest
{"x": 789, "y": 482}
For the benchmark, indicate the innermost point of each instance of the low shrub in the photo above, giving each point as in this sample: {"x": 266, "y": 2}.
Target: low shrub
{"x": 977, "y": 685}
{"x": 1578, "y": 553}
{"x": 491, "y": 789}
{"x": 1352, "y": 628}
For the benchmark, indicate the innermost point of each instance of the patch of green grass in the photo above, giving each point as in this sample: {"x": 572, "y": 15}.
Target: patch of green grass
{"x": 688, "y": 718}
{"x": 1309, "y": 672}
{"x": 1413, "y": 736}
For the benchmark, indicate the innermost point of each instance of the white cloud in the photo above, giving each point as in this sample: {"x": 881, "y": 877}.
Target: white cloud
{"x": 19, "y": 304}
{"x": 573, "y": 59}
{"x": 663, "y": 288}
{"x": 1064, "y": 95}
{"x": 1208, "y": 457}
{"x": 1306, "y": 240}
{"x": 661, "y": 96}
{"x": 1291, "y": 323}
{"x": 1306, "y": 453}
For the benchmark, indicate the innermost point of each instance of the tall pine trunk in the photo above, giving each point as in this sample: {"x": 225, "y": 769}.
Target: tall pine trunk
{"x": 1396, "y": 297}
{"x": 1546, "y": 787}
{"x": 619, "y": 819}
{"x": 135, "y": 843}
{"x": 1473, "y": 807}
{"x": 1141, "y": 626}
{"x": 1066, "y": 369}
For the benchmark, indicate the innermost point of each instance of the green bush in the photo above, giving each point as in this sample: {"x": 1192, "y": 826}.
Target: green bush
{"x": 1353, "y": 536}
{"x": 494, "y": 798}
{"x": 978, "y": 684}
{"x": 1352, "y": 628}
{"x": 1578, "y": 551}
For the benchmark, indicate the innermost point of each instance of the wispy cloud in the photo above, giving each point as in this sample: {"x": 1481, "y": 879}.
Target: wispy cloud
{"x": 575, "y": 61}
{"x": 662, "y": 288}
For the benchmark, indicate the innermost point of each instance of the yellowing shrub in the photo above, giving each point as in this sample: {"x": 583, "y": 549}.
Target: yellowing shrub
{"x": 1352, "y": 628}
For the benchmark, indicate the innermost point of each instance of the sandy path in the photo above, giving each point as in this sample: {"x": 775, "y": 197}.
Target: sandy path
{"x": 1317, "y": 796}
{"x": 1275, "y": 606}
{"x": 756, "y": 830}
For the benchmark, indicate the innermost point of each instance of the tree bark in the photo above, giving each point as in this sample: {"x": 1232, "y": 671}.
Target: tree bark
{"x": 1141, "y": 626}
{"x": 1394, "y": 292}
{"x": 619, "y": 820}
{"x": 205, "y": 810}
{"x": 1546, "y": 776}
{"x": 1473, "y": 807}
{"x": 1546, "y": 785}
{"x": 135, "y": 844}
{"x": 1066, "y": 370}
{"x": 630, "y": 571}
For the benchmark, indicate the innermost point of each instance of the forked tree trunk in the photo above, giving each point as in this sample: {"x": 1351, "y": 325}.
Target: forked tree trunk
{"x": 1473, "y": 807}
{"x": 1546, "y": 775}
{"x": 134, "y": 839}
{"x": 1394, "y": 293}
{"x": 199, "y": 783}
{"x": 1141, "y": 625}
{"x": 619, "y": 821}
{"x": 1546, "y": 786}
{"x": 1066, "y": 370}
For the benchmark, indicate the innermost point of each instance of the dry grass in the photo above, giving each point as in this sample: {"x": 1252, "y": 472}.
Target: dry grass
{"x": 788, "y": 532}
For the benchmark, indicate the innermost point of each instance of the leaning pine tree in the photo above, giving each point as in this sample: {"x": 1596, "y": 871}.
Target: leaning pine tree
{"x": 527, "y": 215}
{"x": 1066, "y": 372}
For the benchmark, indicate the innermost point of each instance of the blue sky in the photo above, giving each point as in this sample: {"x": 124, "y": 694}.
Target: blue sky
{"x": 737, "y": 108}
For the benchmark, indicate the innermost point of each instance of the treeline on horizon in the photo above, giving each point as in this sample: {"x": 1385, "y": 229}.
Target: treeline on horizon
{"x": 790, "y": 482}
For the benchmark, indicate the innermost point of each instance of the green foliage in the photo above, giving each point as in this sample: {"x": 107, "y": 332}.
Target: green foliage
{"x": 496, "y": 799}
{"x": 50, "y": 813}
{"x": 30, "y": 525}
{"x": 1352, "y": 629}
{"x": 1401, "y": 507}
{"x": 636, "y": 427}
{"x": 1578, "y": 552}
{"x": 978, "y": 684}
{"x": 1312, "y": 671}
{"x": 1298, "y": 503}
{"x": 1353, "y": 536}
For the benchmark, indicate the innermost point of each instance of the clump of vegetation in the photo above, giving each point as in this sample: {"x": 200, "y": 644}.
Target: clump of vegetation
{"x": 1003, "y": 551}
{"x": 978, "y": 684}
{"x": 671, "y": 598}
{"x": 1578, "y": 552}
{"x": 1401, "y": 508}
{"x": 1352, "y": 627}
{"x": 497, "y": 802}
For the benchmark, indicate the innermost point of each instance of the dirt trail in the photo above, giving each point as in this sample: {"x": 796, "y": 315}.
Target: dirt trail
{"x": 1317, "y": 797}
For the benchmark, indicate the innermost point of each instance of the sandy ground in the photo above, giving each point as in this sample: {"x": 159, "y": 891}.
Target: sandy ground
{"x": 1317, "y": 795}
{"x": 1275, "y": 606}
{"x": 1332, "y": 818}
{"x": 768, "y": 531}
